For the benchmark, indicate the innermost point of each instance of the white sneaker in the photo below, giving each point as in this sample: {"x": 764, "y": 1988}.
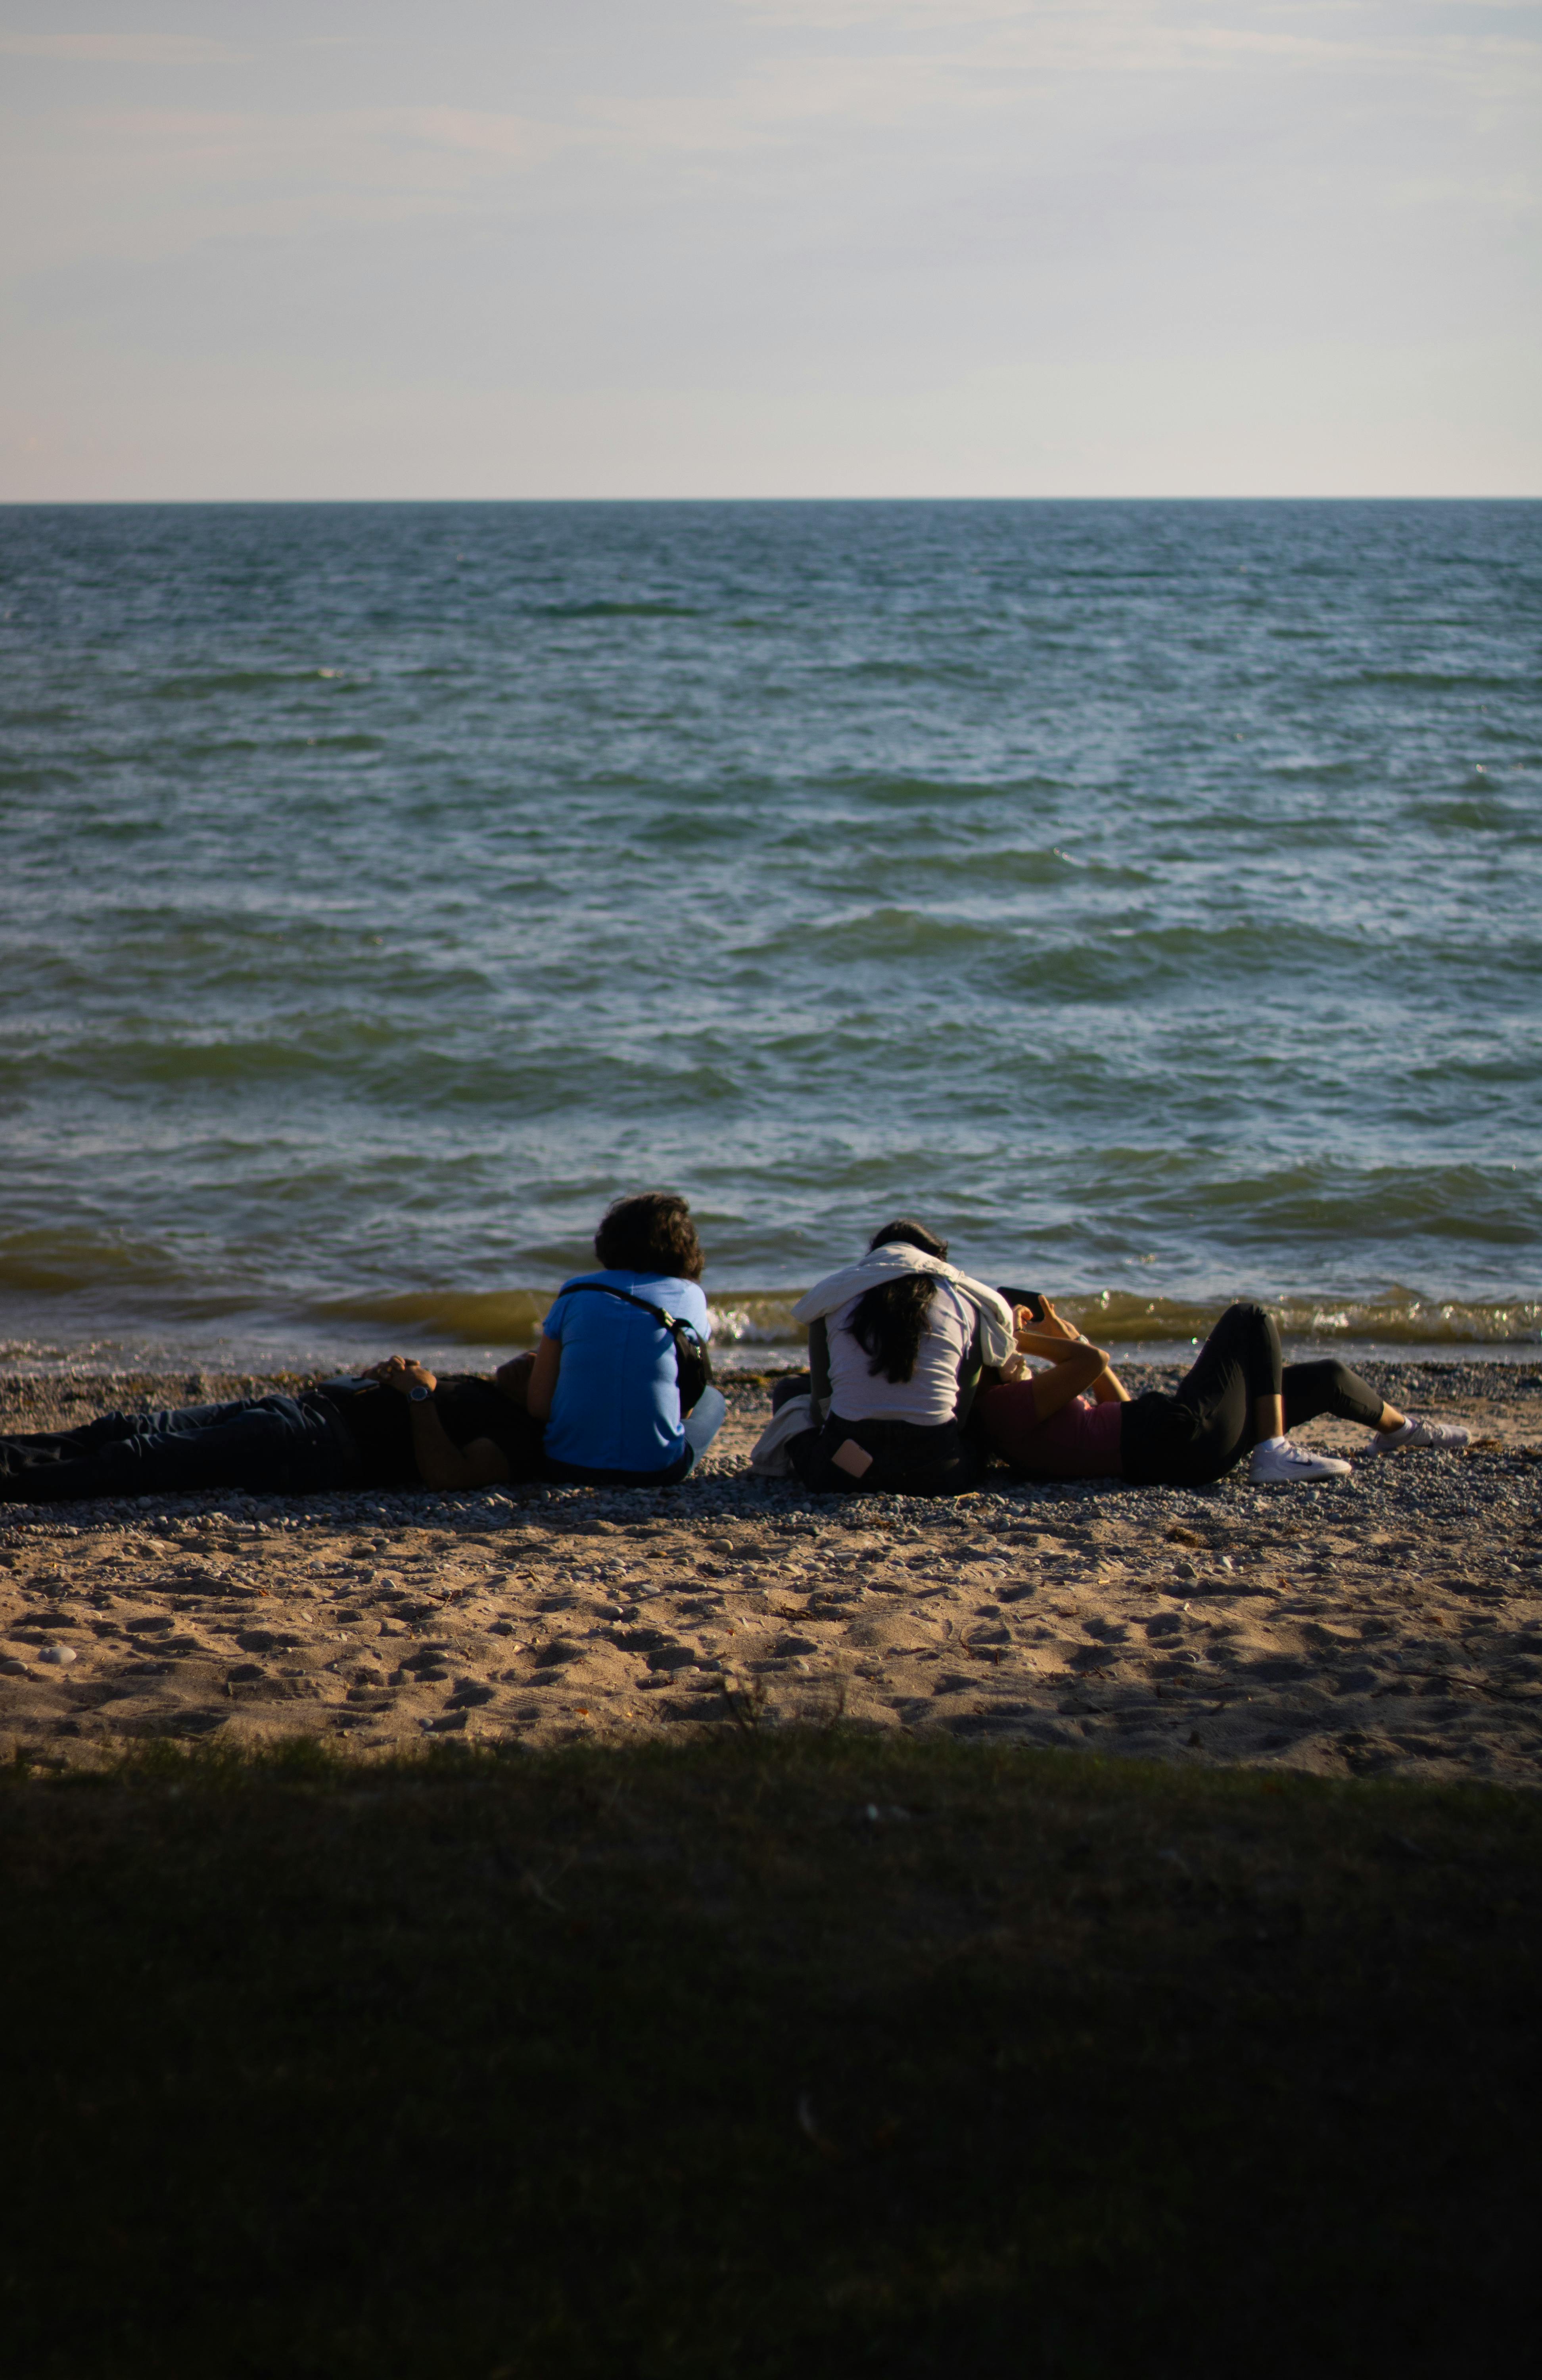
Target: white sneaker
{"x": 1414, "y": 1432}
{"x": 1280, "y": 1462}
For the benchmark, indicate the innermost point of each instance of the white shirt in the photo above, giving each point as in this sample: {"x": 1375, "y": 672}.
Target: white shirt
{"x": 930, "y": 1395}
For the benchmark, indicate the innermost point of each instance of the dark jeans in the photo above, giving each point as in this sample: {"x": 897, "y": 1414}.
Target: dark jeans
{"x": 264, "y": 1445}
{"x": 576, "y": 1475}
{"x": 1197, "y": 1434}
{"x": 908, "y": 1458}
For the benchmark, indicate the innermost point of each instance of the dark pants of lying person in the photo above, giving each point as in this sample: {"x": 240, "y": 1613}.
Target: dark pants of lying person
{"x": 264, "y": 1446}
{"x": 1197, "y": 1433}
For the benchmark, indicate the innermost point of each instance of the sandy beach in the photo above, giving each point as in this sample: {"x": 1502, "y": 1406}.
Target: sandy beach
{"x": 1391, "y": 1622}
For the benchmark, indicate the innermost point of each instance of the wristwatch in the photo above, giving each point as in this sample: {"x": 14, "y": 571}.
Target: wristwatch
{"x": 418, "y": 1395}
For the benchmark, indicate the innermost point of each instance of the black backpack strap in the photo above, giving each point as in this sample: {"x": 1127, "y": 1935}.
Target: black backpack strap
{"x": 603, "y": 1288}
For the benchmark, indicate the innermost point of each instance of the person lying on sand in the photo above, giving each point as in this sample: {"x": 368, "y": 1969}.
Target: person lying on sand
{"x": 605, "y": 1381}
{"x": 396, "y": 1426}
{"x": 1077, "y": 1421}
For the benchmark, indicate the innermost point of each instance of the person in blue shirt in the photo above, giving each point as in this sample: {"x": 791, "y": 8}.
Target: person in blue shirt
{"x": 605, "y": 1377}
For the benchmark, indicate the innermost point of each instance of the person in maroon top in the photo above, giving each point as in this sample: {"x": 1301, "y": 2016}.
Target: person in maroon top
{"x": 1078, "y": 1421}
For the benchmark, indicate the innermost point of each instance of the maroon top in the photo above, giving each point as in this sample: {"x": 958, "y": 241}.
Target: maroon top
{"x": 1081, "y": 1441}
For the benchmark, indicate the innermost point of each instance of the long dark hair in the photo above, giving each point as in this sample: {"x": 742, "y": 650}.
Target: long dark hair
{"x": 889, "y": 1321}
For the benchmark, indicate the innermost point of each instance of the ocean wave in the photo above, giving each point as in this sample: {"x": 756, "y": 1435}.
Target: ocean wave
{"x": 1317, "y": 772}
{"x": 900, "y": 790}
{"x": 678, "y": 826}
{"x": 1326, "y": 1204}
{"x": 762, "y": 1318}
{"x": 1396, "y": 1318}
{"x": 1477, "y": 813}
{"x": 40, "y": 1264}
{"x": 886, "y": 933}
{"x": 1106, "y": 964}
{"x": 612, "y": 610}
{"x": 513, "y": 1317}
{"x": 750, "y": 1319}
{"x": 36, "y": 777}
{"x": 207, "y": 686}
{"x": 1020, "y": 867}
{"x": 359, "y": 740}
{"x": 929, "y": 673}
{"x": 316, "y": 1046}
{"x": 121, "y": 1280}
{"x": 1435, "y": 681}
{"x": 464, "y": 1317}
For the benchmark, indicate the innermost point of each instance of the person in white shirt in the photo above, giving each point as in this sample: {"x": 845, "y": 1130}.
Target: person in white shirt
{"x": 901, "y": 1355}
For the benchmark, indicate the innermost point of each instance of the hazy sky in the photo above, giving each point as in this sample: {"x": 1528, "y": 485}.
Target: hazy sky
{"x": 645, "y": 248}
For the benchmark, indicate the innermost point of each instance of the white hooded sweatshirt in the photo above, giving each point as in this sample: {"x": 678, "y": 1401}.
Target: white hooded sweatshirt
{"x": 892, "y": 1262}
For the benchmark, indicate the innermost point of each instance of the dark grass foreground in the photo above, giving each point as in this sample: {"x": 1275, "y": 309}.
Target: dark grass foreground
{"x": 710, "y": 2061}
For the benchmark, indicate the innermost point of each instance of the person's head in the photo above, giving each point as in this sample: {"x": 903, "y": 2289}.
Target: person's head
{"x": 888, "y": 1322}
{"x": 653, "y": 1232}
{"x": 905, "y": 1233}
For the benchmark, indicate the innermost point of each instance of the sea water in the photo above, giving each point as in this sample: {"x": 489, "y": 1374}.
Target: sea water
{"x": 1147, "y": 895}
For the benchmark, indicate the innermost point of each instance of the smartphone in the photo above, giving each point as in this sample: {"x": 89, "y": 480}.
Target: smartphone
{"x": 1031, "y": 1298}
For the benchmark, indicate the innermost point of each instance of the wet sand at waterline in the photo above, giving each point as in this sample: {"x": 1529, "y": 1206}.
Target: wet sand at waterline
{"x": 1391, "y": 1622}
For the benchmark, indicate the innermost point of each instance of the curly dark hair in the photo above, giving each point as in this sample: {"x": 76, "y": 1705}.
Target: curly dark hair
{"x": 653, "y": 1232}
{"x": 889, "y": 1321}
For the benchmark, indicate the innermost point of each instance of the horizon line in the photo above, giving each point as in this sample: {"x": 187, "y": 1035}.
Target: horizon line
{"x": 101, "y": 504}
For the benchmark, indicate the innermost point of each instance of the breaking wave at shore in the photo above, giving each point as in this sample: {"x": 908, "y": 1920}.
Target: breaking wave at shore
{"x": 747, "y": 1320}
{"x": 1400, "y": 1319}
{"x": 751, "y": 1329}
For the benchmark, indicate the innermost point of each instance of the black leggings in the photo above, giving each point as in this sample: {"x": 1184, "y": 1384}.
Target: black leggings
{"x": 1198, "y": 1434}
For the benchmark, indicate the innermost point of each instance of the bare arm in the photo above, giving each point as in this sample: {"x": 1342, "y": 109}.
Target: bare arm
{"x": 440, "y": 1463}
{"x": 1052, "y": 1331}
{"x": 542, "y": 1385}
{"x": 1075, "y": 1364}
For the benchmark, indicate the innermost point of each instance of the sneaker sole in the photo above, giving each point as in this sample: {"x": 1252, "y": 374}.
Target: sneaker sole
{"x": 1298, "y": 1478}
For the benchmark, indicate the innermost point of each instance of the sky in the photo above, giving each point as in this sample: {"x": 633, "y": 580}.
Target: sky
{"x": 770, "y": 248}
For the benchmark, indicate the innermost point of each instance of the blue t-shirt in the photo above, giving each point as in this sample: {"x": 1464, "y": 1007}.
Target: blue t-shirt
{"x": 617, "y": 1400}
